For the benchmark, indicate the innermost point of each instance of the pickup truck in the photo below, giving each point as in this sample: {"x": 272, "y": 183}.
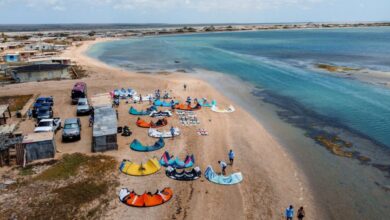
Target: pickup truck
{"x": 46, "y": 125}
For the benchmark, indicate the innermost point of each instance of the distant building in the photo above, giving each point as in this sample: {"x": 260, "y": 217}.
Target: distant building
{"x": 60, "y": 47}
{"x": 13, "y": 45}
{"x": 40, "y": 47}
{"x": 11, "y": 57}
{"x": 40, "y": 72}
{"x": 49, "y": 60}
{"x": 24, "y": 55}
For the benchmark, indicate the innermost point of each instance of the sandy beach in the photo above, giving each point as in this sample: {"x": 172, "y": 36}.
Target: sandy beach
{"x": 272, "y": 180}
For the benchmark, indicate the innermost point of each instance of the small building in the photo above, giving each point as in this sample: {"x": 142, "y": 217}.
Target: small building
{"x": 104, "y": 135}
{"x": 24, "y": 55}
{"x": 39, "y": 146}
{"x": 40, "y": 72}
{"x": 60, "y": 47}
{"x": 11, "y": 57}
{"x": 40, "y": 47}
{"x": 46, "y": 60}
{"x": 8, "y": 141}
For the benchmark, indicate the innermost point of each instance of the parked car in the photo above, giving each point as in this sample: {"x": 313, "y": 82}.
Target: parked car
{"x": 79, "y": 91}
{"x": 71, "y": 130}
{"x": 83, "y": 107}
{"x": 42, "y": 102}
{"x": 46, "y": 101}
{"x": 44, "y": 112}
{"x": 46, "y": 125}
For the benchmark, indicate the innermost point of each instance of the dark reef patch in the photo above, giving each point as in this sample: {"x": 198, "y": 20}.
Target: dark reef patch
{"x": 324, "y": 130}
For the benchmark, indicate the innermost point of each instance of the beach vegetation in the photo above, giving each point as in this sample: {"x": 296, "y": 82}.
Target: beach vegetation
{"x": 4, "y": 37}
{"x": 16, "y": 102}
{"x": 75, "y": 187}
{"x": 92, "y": 33}
{"x": 72, "y": 163}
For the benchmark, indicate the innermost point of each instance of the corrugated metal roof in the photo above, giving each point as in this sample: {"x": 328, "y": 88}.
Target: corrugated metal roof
{"x": 40, "y": 67}
{"x": 105, "y": 122}
{"x": 37, "y": 137}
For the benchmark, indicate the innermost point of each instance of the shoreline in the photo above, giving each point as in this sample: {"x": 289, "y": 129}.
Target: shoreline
{"x": 313, "y": 159}
{"x": 201, "y": 28}
{"x": 272, "y": 179}
{"x": 301, "y": 178}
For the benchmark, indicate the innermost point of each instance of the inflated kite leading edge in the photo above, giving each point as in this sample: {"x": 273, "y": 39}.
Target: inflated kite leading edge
{"x": 168, "y": 160}
{"x": 137, "y": 145}
{"x": 230, "y": 109}
{"x": 143, "y": 124}
{"x": 164, "y": 134}
{"x": 133, "y": 169}
{"x": 220, "y": 179}
{"x": 146, "y": 199}
{"x": 184, "y": 175}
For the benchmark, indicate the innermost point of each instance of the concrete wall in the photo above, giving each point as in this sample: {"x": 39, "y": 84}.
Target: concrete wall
{"x": 43, "y": 75}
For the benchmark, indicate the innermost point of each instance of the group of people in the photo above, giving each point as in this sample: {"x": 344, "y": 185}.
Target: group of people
{"x": 223, "y": 164}
{"x": 157, "y": 94}
{"x": 290, "y": 213}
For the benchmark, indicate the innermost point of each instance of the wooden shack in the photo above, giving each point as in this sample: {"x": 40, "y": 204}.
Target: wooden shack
{"x": 39, "y": 146}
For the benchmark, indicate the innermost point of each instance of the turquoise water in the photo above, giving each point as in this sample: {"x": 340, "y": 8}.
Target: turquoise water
{"x": 276, "y": 61}
{"x": 279, "y": 63}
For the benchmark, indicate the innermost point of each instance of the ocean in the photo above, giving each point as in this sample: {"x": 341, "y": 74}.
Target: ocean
{"x": 320, "y": 109}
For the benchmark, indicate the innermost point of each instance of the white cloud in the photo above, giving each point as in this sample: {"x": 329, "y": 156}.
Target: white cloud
{"x": 207, "y": 5}
{"x": 53, "y": 4}
{"x": 198, "y": 5}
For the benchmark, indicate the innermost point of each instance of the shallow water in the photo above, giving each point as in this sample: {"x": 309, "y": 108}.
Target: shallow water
{"x": 278, "y": 64}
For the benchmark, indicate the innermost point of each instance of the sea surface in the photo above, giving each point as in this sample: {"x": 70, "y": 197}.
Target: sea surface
{"x": 302, "y": 103}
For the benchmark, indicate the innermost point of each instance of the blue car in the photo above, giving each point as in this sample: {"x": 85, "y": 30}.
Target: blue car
{"x": 43, "y": 101}
{"x": 44, "y": 112}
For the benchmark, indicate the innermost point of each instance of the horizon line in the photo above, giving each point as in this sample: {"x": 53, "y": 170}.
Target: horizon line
{"x": 201, "y": 23}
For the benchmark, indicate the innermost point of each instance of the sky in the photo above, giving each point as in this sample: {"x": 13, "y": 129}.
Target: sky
{"x": 191, "y": 11}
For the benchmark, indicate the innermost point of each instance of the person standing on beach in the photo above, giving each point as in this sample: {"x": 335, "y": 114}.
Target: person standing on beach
{"x": 301, "y": 213}
{"x": 223, "y": 166}
{"x": 231, "y": 157}
{"x": 91, "y": 118}
{"x": 290, "y": 213}
{"x": 150, "y": 100}
{"x": 173, "y": 105}
{"x": 172, "y": 132}
{"x": 185, "y": 87}
{"x": 29, "y": 113}
{"x": 140, "y": 98}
